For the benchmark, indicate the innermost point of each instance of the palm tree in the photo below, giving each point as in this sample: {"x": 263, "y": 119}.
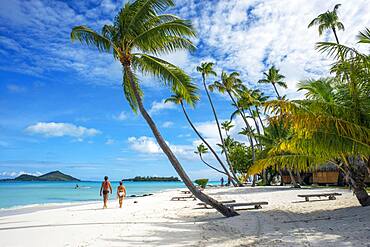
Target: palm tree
{"x": 231, "y": 84}
{"x": 328, "y": 20}
{"x": 206, "y": 69}
{"x": 332, "y": 123}
{"x": 273, "y": 77}
{"x": 178, "y": 99}
{"x": 227, "y": 125}
{"x": 136, "y": 37}
{"x": 273, "y": 135}
{"x": 201, "y": 150}
{"x": 260, "y": 99}
{"x": 246, "y": 100}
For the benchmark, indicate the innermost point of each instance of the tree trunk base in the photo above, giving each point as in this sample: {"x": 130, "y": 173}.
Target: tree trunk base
{"x": 358, "y": 172}
{"x": 254, "y": 181}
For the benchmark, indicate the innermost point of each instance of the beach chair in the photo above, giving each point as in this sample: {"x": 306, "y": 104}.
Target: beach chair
{"x": 331, "y": 196}
{"x": 236, "y": 206}
{"x": 183, "y": 198}
{"x": 205, "y": 205}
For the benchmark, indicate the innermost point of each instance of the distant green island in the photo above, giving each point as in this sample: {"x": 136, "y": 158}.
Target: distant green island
{"x": 152, "y": 179}
{"x": 51, "y": 176}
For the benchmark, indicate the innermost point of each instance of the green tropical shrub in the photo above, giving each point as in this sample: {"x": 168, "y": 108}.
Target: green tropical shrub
{"x": 202, "y": 182}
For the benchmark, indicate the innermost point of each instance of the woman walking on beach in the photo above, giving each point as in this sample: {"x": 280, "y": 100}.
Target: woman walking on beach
{"x": 121, "y": 193}
{"x": 106, "y": 187}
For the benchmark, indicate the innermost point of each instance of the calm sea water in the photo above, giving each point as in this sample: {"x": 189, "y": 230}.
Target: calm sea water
{"x": 25, "y": 193}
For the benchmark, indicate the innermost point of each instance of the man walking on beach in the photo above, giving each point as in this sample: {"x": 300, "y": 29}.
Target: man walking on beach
{"x": 106, "y": 187}
{"x": 121, "y": 193}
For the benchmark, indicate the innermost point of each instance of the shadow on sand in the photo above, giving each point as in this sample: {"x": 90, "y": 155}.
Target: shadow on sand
{"x": 266, "y": 227}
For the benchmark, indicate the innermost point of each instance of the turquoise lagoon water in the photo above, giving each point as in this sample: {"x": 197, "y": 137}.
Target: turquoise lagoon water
{"x": 14, "y": 194}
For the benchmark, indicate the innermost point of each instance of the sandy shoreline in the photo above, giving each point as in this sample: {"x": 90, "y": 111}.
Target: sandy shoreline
{"x": 157, "y": 221}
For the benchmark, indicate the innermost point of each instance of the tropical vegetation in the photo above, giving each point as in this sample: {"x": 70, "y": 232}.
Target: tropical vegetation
{"x": 331, "y": 124}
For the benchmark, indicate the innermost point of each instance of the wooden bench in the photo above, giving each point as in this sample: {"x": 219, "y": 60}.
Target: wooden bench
{"x": 257, "y": 205}
{"x": 183, "y": 198}
{"x": 331, "y": 196}
{"x": 206, "y": 205}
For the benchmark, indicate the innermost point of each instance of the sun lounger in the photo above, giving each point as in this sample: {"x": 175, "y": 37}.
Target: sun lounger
{"x": 206, "y": 205}
{"x": 183, "y": 198}
{"x": 331, "y": 196}
{"x": 185, "y": 191}
{"x": 257, "y": 205}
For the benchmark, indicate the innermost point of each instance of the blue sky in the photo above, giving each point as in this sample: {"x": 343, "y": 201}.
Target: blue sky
{"x": 61, "y": 104}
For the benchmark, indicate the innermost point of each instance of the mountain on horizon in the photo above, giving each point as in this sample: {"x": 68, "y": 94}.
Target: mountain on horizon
{"x": 51, "y": 176}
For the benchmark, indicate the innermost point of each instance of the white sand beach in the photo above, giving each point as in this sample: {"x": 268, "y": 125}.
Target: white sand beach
{"x": 156, "y": 221}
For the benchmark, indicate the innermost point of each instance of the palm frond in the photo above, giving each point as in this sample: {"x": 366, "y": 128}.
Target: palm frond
{"x": 300, "y": 162}
{"x": 166, "y": 37}
{"x": 334, "y": 50}
{"x": 171, "y": 75}
{"x": 90, "y": 37}
{"x": 143, "y": 10}
{"x": 364, "y": 36}
{"x": 176, "y": 99}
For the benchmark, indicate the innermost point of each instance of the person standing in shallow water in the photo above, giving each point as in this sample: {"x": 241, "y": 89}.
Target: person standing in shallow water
{"x": 105, "y": 188}
{"x": 121, "y": 193}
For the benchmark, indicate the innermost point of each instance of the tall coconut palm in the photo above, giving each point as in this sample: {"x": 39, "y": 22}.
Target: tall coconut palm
{"x": 230, "y": 84}
{"x": 260, "y": 98}
{"x": 328, "y": 20}
{"x": 246, "y": 100}
{"x": 206, "y": 69}
{"x": 274, "y": 78}
{"x": 137, "y": 36}
{"x": 178, "y": 99}
{"x": 201, "y": 150}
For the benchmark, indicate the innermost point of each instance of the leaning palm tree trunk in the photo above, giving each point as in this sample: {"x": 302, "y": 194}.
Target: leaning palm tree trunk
{"x": 210, "y": 166}
{"x": 276, "y": 91}
{"x": 259, "y": 117}
{"x": 264, "y": 172}
{"x": 300, "y": 180}
{"x": 208, "y": 145}
{"x": 220, "y": 134}
{"x": 172, "y": 158}
{"x": 295, "y": 185}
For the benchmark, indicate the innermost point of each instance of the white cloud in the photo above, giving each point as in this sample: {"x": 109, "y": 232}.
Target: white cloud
{"x": 144, "y": 144}
{"x": 251, "y": 35}
{"x": 16, "y": 174}
{"x": 209, "y": 131}
{"x": 167, "y": 124}
{"x": 160, "y": 106}
{"x": 15, "y": 88}
{"x": 149, "y": 146}
{"x": 109, "y": 141}
{"x": 121, "y": 116}
{"x": 244, "y": 35}
{"x": 52, "y": 129}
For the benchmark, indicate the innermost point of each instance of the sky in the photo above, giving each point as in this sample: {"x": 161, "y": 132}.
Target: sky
{"x": 62, "y": 106}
